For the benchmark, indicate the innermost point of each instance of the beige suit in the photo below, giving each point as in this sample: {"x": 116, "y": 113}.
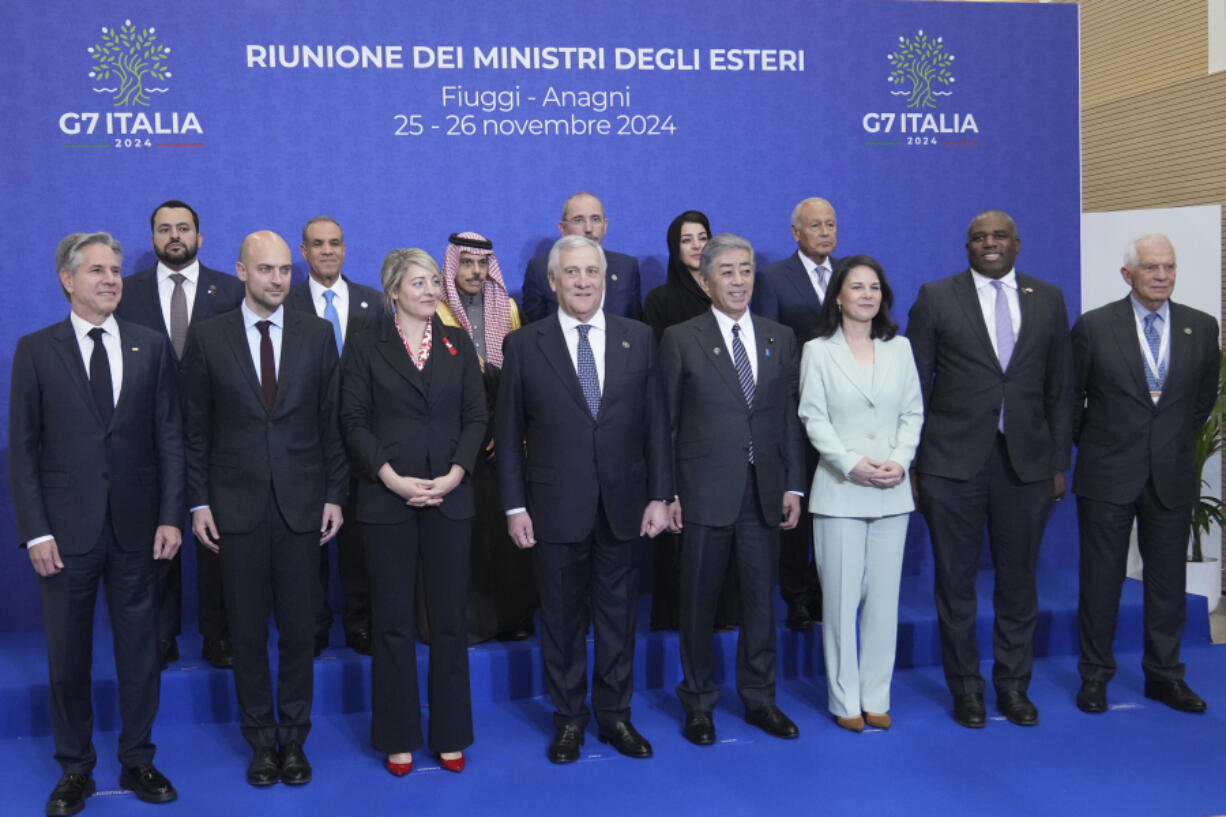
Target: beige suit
{"x": 849, "y": 412}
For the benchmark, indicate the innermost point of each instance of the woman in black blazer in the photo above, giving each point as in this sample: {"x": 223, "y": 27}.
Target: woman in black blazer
{"x": 413, "y": 413}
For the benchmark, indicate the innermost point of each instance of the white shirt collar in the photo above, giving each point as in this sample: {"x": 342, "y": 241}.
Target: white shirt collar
{"x": 726, "y": 322}
{"x": 250, "y": 319}
{"x": 341, "y": 288}
{"x": 1142, "y": 310}
{"x": 811, "y": 266}
{"x": 568, "y": 323}
{"x": 1009, "y": 279}
{"x": 191, "y": 272}
{"x": 81, "y": 327}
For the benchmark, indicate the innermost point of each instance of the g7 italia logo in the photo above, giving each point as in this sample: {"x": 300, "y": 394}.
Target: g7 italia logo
{"x": 921, "y": 70}
{"x": 131, "y": 66}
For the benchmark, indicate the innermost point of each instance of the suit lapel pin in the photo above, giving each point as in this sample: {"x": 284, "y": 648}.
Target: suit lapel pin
{"x": 613, "y": 276}
{"x": 1028, "y": 290}
{"x": 450, "y": 348}
{"x": 625, "y": 344}
{"x": 135, "y": 349}
{"x": 767, "y": 352}
{"x": 1187, "y": 330}
{"x": 715, "y": 350}
{"x": 212, "y": 288}
{"x": 363, "y": 304}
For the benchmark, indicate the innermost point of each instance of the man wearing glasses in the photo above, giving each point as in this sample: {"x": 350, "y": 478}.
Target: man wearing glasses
{"x": 583, "y": 214}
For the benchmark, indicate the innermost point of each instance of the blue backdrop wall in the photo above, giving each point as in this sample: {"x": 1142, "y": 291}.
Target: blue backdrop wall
{"x": 408, "y": 121}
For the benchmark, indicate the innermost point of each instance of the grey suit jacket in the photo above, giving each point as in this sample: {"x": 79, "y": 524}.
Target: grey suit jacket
{"x": 964, "y": 386}
{"x": 1123, "y": 437}
{"x": 712, "y": 426}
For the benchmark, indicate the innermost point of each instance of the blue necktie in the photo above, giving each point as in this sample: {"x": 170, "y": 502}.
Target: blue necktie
{"x": 744, "y": 373}
{"x": 1153, "y": 336}
{"x": 589, "y": 381}
{"x": 333, "y": 318}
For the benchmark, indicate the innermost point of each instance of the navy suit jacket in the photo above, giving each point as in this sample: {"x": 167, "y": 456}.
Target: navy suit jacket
{"x": 66, "y": 468}
{"x": 238, "y": 449}
{"x": 783, "y": 292}
{"x": 964, "y": 385}
{"x": 366, "y": 309}
{"x": 556, "y": 460}
{"x": 1124, "y": 438}
{"x": 421, "y": 423}
{"x": 216, "y": 292}
{"x": 623, "y": 292}
{"x": 711, "y": 425}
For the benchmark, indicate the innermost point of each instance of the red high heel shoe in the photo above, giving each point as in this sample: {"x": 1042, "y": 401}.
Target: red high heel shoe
{"x": 399, "y": 769}
{"x": 455, "y": 764}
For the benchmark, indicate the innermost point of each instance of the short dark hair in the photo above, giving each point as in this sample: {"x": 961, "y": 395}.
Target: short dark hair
{"x": 831, "y": 317}
{"x": 176, "y": 204}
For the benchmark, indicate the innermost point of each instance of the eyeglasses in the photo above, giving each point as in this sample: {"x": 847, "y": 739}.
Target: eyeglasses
{"x": 583, "y": 221}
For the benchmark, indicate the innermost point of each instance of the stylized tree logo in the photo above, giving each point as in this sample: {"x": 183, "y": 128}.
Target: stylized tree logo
{"x": 132, "y": 59}
{"x": 922, "y": 61}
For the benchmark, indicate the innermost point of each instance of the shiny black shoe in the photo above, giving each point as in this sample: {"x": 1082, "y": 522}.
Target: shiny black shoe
{"x": 358, "y": 640}
{"x": 1092, "y": 697}
{"x": 699, "y": 729}
{"x": 623, "y": 737}
{"x": 1016, "y": 707}
{"x": 566, "y": 743}
{"x": 799, "y": 618}
{"x": 519, "y": 632}
{"x": 1175, "y": 694}
{"x": 68, "y": 796}
{"x": 168, "y": 652}
{"x": 149, "y": 785}
{"x": 295, "y": 769}
{"x": 218, "y": 652}
{"x": 264, "y": 769}
{"x": 969, "y": 710}
{"x": 773, "y": 722}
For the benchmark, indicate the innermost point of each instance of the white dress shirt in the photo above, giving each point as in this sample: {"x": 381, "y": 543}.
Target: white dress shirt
{"x": 811, "y": 268}
{"x": 166, "y": 288}
{"x": 747, "y": 337}
{"x": 340, "y": 300}
{"x": 250, "y": 319}
{"x": 595, "y": 338}
{"x": 987, "y": 303}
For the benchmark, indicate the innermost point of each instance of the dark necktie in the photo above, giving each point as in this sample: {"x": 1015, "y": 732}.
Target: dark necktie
{"x": 589, "y": 381}
{"x": 100, "y": 377}
{"x": 178, "y": 314}
{"x": 744, "y": 373}
{"x": 268, "y": 364}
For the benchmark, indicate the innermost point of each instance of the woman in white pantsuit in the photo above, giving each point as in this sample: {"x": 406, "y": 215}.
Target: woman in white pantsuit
{"x": 861, "y": 405}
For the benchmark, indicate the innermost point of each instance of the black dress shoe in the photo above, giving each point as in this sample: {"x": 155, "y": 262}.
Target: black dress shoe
{"x": 168, "y": 652}
{"x": 295, "y": 769}
{"x": 623, "y": 737}
{"x": 1016, "y": 707}
{"x": 566, "y": 743}
{"x": 969, "y": 710}
{"x": 773, "y": 722}
{"x": 358, "y": 640}
{"x": 150, "y": 785}
{"x": 1176, "y": 695}
{"x": 799, "y": 618}
{"x": 519, "y": 632}
{"x": 321, "y": 642}
{"x": 218, "y": 652}
{"x": 264, "y": 769}
{"x": 68, "y": 796}
{"x": 1092, "y": 697}
{"x": 699, "y": 728}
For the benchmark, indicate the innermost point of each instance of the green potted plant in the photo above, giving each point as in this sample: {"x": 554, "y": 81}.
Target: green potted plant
{"x": 1209, "y": 509}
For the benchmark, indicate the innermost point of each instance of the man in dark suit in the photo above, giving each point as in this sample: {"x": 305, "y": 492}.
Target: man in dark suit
{"x": 1145, "y": 377}
{"x": 592, "y": 475}
{"x": 992, "y": 349}
{"x": 349, "y": 307}
{"x": 791, "y": 292}
{"x": 266, "y": 477}
{"x": 731, "y": 381}
{"x": 96, "y": 471}
{"x": 583, "y": 214}
{"x": 168, "y": 298}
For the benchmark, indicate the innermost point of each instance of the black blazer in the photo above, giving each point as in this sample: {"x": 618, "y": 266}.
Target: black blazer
{"x": 66, "y": 468}
{"x": 964, "y": 386}
{"x": 366, "y": 306}
{"x": 419, "y": 422}
{"x": 711, "y": 425}
{"x": 569, "y": 462}
{"x": 238, "y": 449}
{"x": 216, "y": 292}
{"x": 623, "y": 293}
{"x": 783, "y": 292}
{"x": 1123, "y": 438}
